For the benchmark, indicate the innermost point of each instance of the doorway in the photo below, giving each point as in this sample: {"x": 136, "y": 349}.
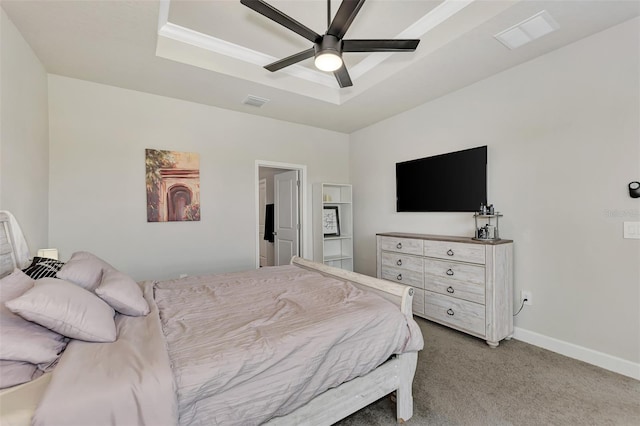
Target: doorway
{"x": 280, "y": 215}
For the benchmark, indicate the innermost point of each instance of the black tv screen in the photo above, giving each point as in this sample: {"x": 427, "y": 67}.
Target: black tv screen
{"x": 453, "y": 182}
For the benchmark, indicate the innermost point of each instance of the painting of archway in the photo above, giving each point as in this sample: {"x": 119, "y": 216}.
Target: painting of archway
{"x": 179, "y": 198}
{"x": 173, "y": 186}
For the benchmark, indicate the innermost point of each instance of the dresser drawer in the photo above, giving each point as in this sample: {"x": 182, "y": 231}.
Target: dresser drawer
{"x": 458, "y": 313}
{"x": 455, "y": 271}
{"x": 403, "y": 261}
{"x": 401, "y": 245}
{"x": 454, "y": 288}
{"x": 473, "y": 253}
{"x": 418, "y": 301}
{"x": 403, "y": 276}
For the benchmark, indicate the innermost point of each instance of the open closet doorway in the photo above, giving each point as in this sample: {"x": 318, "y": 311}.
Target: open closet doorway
{"x": 280, "y": 197}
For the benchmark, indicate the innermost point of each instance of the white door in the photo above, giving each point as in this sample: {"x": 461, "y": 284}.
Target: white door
{"x": 287, "y": 217}
{"x": 262, "y": 203}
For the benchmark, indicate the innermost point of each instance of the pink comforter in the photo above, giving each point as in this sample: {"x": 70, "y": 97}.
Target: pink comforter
{"x": 245, "y": 347}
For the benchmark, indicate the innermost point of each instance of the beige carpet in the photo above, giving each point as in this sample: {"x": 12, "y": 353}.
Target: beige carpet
{"x": 461, "y": 381}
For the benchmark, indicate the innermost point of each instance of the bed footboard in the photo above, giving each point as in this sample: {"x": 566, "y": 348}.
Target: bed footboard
{"x": 335, "y": 404}
{"x": 394, "y": 375}
{"x": 399, "y": 294}
{"x": 404, "y": 393}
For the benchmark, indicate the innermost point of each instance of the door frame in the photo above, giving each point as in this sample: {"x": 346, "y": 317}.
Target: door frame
{"x": 302, "y": 202}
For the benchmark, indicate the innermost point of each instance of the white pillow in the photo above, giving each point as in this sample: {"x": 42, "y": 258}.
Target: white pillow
{"x": 88, "y": 255}
{"x": 122, "y": 293}
{"x": 83, "y": 271}
{"x": 67, "y": 309}
{"x": 22, "y": 340}
{"x": 14, "y": 285}
{"x": 13, "y": 373}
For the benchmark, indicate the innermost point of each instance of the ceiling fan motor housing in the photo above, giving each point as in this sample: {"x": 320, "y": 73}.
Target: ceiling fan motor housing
{"x": 328, "y": 43}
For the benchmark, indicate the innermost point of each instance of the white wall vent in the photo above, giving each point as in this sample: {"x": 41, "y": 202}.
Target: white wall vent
{"x": 528, "y": 30}
{"x": 255, "y": 101}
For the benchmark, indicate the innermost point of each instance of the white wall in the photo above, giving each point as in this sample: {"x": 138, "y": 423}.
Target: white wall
{"x": 98, "y": 201}
{"x": 563, "y": 138}
{"x": 24, "y": 139}
{"x": 563, "y": 134}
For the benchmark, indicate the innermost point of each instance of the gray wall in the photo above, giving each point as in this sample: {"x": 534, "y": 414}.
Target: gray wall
{"x": 24, "y": 139}
{"x": 564, "y": 142}
{"x": 98, "y": 201}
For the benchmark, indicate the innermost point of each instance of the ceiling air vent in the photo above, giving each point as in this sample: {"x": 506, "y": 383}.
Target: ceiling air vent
{"x": 528, "y": 30}
{"x": 255, "y": 101}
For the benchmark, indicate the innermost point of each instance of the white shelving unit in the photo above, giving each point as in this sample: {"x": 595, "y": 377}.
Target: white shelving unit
{"x": 332, "y": 250}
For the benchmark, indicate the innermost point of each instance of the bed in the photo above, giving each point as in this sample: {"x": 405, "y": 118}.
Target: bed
{"x": 163, "y": 370}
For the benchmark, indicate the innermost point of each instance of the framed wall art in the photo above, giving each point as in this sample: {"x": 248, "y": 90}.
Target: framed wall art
{"x": 173, "y": 186}
{"x": 330, "y": 221}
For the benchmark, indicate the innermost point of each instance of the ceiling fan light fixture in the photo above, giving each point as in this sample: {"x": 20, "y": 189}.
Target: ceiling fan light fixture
{"x": 327, "y": 49}
{"x": 328, "y": 53}
{"x": 328, "y": 61}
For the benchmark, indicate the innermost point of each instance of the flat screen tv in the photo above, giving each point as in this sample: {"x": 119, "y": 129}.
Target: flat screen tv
{"x": 452, "y": 182}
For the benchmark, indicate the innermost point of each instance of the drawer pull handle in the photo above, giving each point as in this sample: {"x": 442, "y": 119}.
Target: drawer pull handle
{"x": 450, "y": 312}
{"x": 449, "y": 272}
{"x": 399, "y": 245}
{"x": 450, "y": 252}
{"x": 399, "y": 277}
{"x": 399, "y": 262}
{"x": 450, "y": 290}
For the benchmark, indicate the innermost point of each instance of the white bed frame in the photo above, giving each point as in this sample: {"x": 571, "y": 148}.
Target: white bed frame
{"x": 7, "y": 255}
{"x": 17, "y": 404}
{"x": 394, "y": 375}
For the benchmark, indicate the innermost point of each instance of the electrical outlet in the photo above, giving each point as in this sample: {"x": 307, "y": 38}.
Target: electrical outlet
{"x": 526, "y": 294}
{"x": 632, "y": 230}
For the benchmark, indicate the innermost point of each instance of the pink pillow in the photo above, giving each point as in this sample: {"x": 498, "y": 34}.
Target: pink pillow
{"x": 22, "y": 340}
{"x": 67, "y": 309}
{"x": 122, "y": 293}
{"x": 84, "y": 269}
{"x": 14, "y": 285}
{"x": 119, "y": 290}
{"x": 14, "y": 373}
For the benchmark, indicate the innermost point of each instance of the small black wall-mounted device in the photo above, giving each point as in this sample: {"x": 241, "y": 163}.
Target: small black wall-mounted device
{"x": 634, "y": 189}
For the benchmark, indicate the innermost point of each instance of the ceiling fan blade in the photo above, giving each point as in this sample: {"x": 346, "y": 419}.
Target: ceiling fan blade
{"x": 342, "y": 75}
{"x": 379, "y": 45}
{"x": 293, "y": 59}
{"x": 274, "y": 14}
{"x": 344, "y": 16}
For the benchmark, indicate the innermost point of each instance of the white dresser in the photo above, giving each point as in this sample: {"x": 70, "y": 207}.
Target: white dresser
{"x": 459, "y": 282}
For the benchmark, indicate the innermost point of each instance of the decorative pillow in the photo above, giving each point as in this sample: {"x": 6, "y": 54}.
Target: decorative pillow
{"x": 88, "y": 255}
{"x": 13, "y": 285}
{"x": 14, "y": 373}
{"x": 22, "y": 340}
{"x": 42, "y": 267}
{"x": 26, "y": 341}
{"x": 83, "y": 271}
{"x": 123, "y": 294}
{"x": 67, "y": 309}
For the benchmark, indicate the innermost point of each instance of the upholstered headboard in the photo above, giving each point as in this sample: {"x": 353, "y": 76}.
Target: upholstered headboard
{"x": 7, "y": 254}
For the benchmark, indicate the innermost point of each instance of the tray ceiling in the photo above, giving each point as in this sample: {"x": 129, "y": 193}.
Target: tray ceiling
{"x": 212, "y": 52}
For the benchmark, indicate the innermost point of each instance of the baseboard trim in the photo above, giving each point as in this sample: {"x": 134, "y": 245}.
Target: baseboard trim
{"x": 608, "y": 362}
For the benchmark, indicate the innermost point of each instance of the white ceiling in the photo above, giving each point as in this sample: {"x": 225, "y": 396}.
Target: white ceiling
{"x": 212, "y": 52}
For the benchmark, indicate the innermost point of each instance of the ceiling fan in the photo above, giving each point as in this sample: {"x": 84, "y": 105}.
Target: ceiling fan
{"x": 328, "y": 48}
